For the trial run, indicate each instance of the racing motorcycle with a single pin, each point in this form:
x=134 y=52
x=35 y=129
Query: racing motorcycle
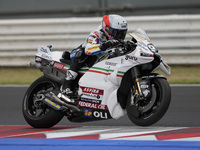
x=118 y=82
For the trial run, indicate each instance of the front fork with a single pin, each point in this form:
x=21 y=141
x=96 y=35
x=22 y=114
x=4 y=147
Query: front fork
x=135 y=72
x=138 y=92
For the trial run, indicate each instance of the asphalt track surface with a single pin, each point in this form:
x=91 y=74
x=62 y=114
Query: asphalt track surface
x=184 y=110
x=178 y=129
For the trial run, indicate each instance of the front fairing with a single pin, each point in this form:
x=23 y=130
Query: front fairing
x=145 y=50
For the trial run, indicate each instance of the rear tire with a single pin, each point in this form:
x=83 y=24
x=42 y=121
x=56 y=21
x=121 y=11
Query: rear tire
x=40 y=115
x=157 y=106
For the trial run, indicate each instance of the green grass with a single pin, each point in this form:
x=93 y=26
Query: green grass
x=19 y=76
x=25 y=76
x=189 y=74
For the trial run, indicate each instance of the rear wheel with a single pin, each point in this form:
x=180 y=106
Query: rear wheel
x=36 y=113
x=149 y=111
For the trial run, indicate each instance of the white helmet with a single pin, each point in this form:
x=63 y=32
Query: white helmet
x=114 y=27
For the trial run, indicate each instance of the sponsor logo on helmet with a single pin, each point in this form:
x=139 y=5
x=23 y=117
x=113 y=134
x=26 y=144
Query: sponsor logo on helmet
x=124 y=25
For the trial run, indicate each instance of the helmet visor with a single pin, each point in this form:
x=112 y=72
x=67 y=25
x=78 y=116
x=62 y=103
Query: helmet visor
x=117 y=34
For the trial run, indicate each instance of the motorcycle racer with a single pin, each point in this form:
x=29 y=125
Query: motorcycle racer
x=112 y=30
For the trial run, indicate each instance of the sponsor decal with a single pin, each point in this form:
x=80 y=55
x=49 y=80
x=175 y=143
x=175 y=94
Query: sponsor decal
x=146 y=55
x=58 y=65
x=124 y=25
x=90 y=100
x=93 y=105
x=46 y=57
x=88 y=53
x=110 y=63
x=90 y=41
x=87 y=112
x=92 y=90
x=56 y=106
x=42 y=49
x=151 y=47
x=141 y=44
x=130 y=57
x=92 y=95
x=148 y=116
x=93 y=48
x=96 y=33
x=96 y=41
x=136 y=37
x=102 y=115
x=38 y=59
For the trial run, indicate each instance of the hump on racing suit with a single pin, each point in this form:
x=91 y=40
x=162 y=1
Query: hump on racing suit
x=93 y=42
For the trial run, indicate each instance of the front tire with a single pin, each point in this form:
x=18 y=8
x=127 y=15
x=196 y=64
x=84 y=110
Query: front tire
x=36 y=113
x=156 y=107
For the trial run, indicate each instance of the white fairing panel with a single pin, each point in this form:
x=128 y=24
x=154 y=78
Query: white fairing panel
x=46 y=53
x=104 y=78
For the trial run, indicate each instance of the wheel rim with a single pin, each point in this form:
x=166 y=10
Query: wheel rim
x=35 y=106
x=146 y=108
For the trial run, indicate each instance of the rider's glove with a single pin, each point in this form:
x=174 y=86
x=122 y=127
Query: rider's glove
x=130 y=45
x=110 y=43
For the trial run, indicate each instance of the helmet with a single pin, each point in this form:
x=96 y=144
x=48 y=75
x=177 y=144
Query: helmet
x=114 y=27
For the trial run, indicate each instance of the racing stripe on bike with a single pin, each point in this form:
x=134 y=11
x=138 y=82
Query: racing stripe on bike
x=100 y=70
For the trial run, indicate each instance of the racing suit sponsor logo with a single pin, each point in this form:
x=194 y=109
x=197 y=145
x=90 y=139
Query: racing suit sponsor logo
x=90 y=41
x=93 y=48
x=96 y=33
x=93 y=105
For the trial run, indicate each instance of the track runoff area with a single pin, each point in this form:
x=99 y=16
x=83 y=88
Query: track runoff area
x=98 y=137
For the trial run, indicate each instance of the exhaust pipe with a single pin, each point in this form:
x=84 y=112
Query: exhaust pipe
x=35 y=65
x=59 y=101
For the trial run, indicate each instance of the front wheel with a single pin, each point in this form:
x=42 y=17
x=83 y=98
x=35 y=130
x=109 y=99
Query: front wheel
x=36 y=113
x=149 y=111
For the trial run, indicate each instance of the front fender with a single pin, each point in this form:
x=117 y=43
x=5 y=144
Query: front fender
x=153 y=75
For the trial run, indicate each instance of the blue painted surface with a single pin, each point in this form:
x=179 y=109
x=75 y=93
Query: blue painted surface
x=61 y=144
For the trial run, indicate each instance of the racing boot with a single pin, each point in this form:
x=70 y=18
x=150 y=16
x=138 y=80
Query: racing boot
x=69 y=82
